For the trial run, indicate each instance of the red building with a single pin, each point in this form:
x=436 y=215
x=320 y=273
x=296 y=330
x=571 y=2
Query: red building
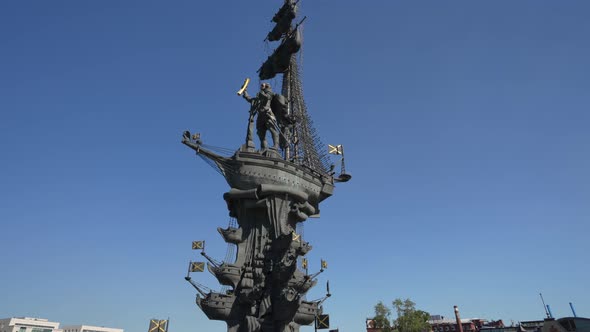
x=447 y=325
x=469 y=325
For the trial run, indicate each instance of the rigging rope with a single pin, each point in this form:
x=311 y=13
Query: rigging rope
x=211 y=163
x=221 y=166
x=309 y=146
x=226 y=151
x=230 y=253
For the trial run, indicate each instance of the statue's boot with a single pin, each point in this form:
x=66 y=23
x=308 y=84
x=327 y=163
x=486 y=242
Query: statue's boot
x=262 y=137
x=275 y=137
x=250 y=134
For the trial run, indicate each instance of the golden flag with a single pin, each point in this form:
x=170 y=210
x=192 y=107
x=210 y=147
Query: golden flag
x=334 y=149
x=198 y=245
x=163 y=327
x=295 y=237
x=323 y=322
x=304 y=263
x=154 y=324
x=157 y=325
x=197 y=267
x=324 y=264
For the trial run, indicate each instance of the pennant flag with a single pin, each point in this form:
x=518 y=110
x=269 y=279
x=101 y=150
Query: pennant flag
x=198 y=245
x=197 y=266
x=324 y=264
x=304 y=263
x=157 y=325
x=334 y=149
x=323 y=322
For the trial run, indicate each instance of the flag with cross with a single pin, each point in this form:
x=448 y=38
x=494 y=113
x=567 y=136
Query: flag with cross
x=158 y=325
x=197 y=266
x=322 y=322
x=335 y=149
x=198 y=245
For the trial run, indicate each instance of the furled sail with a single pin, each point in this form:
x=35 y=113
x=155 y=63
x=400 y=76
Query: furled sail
x=283 y=19
x=288 y=9
x=279 y=61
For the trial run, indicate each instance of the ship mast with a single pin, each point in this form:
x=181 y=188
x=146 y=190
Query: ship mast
x=286 y=90
x=301 y=141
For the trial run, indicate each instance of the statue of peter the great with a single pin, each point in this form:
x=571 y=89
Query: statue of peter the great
x=261 y=105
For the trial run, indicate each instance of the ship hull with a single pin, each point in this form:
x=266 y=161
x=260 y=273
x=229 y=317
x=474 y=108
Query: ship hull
x=248 y=170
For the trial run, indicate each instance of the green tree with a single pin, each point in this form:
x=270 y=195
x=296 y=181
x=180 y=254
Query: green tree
x=409 y=319
x=382 y=315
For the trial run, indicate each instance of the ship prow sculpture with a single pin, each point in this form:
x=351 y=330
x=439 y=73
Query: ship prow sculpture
x=273 y=190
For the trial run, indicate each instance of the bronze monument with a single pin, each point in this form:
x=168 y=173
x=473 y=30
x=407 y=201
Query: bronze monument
x=273 y=190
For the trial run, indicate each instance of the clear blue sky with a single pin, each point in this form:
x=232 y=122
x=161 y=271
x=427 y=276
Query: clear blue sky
x=465 y=124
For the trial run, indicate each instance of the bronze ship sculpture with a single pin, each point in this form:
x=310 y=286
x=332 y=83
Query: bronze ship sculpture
x=273 y=190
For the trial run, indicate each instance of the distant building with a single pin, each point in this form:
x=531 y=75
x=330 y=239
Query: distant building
x=371 y=326
x=468 y=325
x=528 y=326
x=450 y=325
x=439 y=324
x=28 y=324
x=89 y=328
x=532 y=325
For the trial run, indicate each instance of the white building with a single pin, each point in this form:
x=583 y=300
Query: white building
x=88 y=328
x=28 y=324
